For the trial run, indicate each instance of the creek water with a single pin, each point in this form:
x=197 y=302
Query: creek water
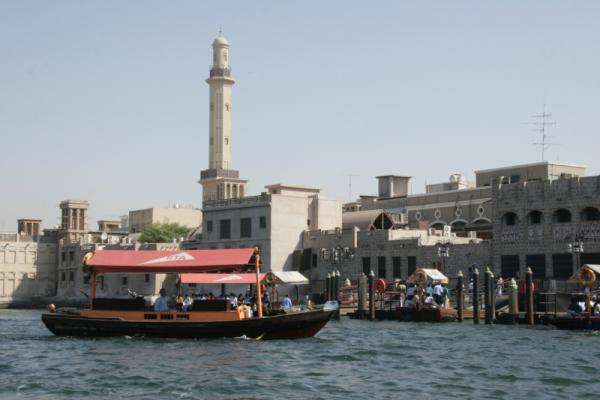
x=348 y=359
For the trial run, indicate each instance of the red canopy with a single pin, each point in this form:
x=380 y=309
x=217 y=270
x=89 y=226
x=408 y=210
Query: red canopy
x=163 y=261
x=220 y=278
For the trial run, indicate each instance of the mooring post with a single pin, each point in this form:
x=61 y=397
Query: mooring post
x=513 y=301
x=336 y=293
x=460 y=296
x=372 y=296
x=475 y=296
x=529 y=296
x=362 y=295
x=328 y=287
x=493 y=295
x=487 y=288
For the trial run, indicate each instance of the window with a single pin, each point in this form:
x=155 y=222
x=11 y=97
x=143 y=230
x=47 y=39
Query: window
x=209 y=227
x=562 y=265
x=510 y=219
x=226 y=140
x=263 y=222
x=71 y=276
x=226 y=106
x=397 y=266
x=535 y=217
x=71 y=256
x=366 y=265
x=381 y=272
x=590 y=214
x=314 y=260
x=63 y=256
x=308 y=222
x=124 y=281
x=102 y=282
x=86 y=279
x=147 y=278
x=509 y=266
x=537 y=263
x=561 y=216
x=245 y=227
x=225 y=229
x=63 y=276
x=412 y=264
x=515 y=178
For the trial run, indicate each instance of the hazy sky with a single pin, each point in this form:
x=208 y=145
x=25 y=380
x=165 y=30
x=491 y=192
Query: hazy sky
x=106 y=100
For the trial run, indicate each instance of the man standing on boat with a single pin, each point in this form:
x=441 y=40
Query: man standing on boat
x=161 y=303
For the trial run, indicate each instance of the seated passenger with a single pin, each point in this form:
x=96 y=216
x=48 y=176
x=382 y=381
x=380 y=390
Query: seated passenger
x=430 y=301
x=187 y=303
x=286 y=303
x=161 y=302
x=575 y=308
x=233 y=301
x=179 y=302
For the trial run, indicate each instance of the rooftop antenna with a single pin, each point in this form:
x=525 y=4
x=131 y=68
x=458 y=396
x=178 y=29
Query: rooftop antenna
x=350 y=185
x=541 y=124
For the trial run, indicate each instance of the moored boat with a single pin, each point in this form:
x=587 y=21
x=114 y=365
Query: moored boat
x=206 y=319
x=425 y=314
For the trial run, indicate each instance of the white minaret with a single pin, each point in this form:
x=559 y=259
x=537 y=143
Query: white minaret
x=219 y=181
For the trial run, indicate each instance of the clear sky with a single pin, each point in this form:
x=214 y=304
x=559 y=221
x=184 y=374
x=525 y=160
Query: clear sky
x=106 y=100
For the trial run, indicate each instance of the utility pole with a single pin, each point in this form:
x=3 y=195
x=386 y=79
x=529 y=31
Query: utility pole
x=541 y=124
x=350 y=185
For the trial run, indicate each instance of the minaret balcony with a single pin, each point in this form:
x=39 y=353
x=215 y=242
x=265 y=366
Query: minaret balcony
x=219 y=173
x=220 y=72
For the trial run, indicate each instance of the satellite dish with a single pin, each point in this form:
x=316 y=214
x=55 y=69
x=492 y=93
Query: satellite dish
x=104 y=236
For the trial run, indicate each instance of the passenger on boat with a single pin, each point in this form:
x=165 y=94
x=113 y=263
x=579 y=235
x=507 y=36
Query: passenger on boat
x=286 y=303
x=430 y=301
x=596 y=307
x=445 y=295
x=402 y=291
x=161 y=302
x=233 y=300
x=188 y=302
x=438 y=293
x=410 y=292
x=429 y=290
x=179 y=302
x=575 y=308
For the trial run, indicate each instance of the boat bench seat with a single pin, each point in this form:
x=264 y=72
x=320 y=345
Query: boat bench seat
x=102 y=303
x=211 y=305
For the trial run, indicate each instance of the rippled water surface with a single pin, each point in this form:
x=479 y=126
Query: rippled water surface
x=348 y=359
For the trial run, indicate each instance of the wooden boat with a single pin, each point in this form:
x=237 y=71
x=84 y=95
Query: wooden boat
x=207 y=319
x=425 y=314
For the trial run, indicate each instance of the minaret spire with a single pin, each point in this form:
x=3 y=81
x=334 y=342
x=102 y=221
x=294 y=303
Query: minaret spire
x=219 y=181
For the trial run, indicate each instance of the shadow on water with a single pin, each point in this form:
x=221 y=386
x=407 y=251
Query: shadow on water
x=385 y=359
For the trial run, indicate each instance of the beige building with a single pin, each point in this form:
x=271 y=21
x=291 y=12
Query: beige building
x=540 y=171
x=274 y=221
x=186 y=216
x=220 y=181
x=27 y=268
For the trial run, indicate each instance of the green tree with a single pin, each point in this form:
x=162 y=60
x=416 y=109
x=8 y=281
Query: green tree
x=163 y=233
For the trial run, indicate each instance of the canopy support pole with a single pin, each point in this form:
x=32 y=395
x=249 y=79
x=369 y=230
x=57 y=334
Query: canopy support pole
x=258 y=288
x=92 y=289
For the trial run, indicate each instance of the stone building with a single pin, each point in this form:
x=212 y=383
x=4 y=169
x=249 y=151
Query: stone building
x=273 y=221
x=536 y=221
x=27 y=268
x=186 y=216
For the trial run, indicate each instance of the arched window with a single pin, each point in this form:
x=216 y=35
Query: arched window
x=458 y=225
x=438 y=225
x=590 y=214
x=510 y=218
x=535 y=217
x=561 y=215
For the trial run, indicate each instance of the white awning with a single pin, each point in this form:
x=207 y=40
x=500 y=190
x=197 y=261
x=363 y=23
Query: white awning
x=430 y=273
x=291 y=277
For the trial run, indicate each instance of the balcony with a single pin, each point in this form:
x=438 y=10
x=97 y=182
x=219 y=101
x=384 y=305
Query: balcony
x=216 y=72
x=219 y=173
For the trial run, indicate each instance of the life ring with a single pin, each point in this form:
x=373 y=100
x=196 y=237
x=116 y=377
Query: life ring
x=86 y=268
x=380 y=285
x=420 y=277
x=270 y=279
x=586 y=276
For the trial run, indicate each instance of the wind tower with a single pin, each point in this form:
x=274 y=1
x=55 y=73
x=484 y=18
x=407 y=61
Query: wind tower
x=219 y=181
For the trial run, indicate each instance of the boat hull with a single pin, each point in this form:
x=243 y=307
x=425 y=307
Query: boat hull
x=285 y=326
x=576 y=323
x=425 y=314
